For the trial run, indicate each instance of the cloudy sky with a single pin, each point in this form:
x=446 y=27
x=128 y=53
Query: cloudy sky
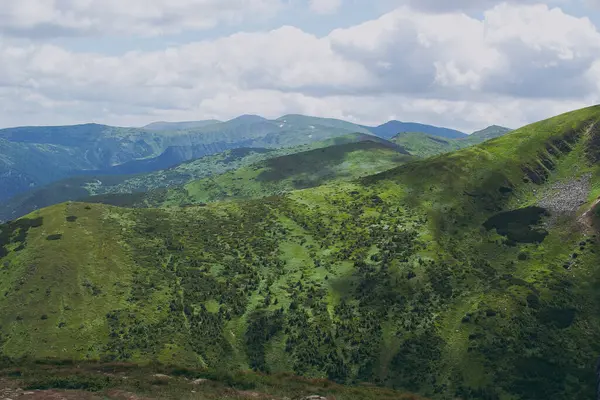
x=464 y=65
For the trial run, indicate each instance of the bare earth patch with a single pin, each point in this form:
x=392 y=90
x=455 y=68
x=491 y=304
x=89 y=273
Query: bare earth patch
x=587 y=219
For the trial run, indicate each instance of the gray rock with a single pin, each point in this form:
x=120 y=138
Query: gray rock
x=566 y=197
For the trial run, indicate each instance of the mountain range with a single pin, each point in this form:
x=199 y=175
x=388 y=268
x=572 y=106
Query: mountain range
x=75 y=162
x=34 y=156
x=454 y=268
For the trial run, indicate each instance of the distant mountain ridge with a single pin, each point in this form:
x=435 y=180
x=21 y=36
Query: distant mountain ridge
x=176 y=126
x=490 y=132
x=392 y=128
x=66 y=151
x=426 y=145
x=130 y=177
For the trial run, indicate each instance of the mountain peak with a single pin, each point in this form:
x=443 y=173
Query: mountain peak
x=492 y=131
x=248 y=119
x=394 y=127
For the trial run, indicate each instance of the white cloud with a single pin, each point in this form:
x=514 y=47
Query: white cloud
x=325 y=6
x=420 y=50
x=46 y=18
x=518 y=64
x=546 y=53
x=450 y=6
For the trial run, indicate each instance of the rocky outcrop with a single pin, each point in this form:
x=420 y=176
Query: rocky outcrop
x=567 y=196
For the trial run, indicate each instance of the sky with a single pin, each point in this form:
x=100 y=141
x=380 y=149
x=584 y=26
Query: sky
x=462 y=64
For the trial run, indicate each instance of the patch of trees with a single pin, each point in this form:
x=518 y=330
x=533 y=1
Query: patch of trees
x=262 y=327
x=15 y=232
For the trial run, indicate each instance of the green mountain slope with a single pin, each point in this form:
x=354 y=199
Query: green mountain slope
x=492 y=131
x=304 y=120
x=345 y=158
x=23 y=165
x=65 y=151
x=286 y=173
x=82 y=187
x=393 y=128
x=470 y=275
x=424 y=145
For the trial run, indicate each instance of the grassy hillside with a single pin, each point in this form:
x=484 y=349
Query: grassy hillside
x=296 y=171
x=222 y=162
x=492 y=131
x=66 y=151
x=276 y=175
x=469 y=275
x=423 y=145
x=81 y=187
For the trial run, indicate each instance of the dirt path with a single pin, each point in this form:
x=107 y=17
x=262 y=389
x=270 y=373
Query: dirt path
x=587 y=218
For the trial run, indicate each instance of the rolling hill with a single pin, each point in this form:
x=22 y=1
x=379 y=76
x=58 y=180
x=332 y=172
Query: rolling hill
x=424 y=145
x=393 y=128
x=276 y=175
x=472 y=274
x=82 y=187
x=67 y=151
x=492 y=131
x=37 y=155
x=131 y=177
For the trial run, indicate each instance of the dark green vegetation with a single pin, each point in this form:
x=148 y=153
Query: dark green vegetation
x=423 y=145
x=490 y=132
x=519 y=226
x=120 y=381
x=425 y=277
